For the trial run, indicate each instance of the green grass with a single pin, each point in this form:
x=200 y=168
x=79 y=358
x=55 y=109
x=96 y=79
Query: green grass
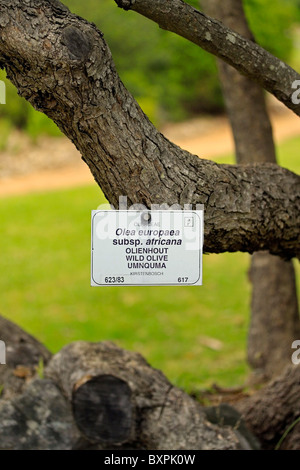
x=44 y=285
x=288 y=155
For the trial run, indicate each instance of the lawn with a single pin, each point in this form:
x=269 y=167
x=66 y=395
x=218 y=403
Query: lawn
x=196 y=335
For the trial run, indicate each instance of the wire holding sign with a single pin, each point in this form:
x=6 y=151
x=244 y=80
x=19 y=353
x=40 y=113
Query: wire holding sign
x=147 y=247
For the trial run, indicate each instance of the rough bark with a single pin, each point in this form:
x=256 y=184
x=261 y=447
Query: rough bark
x=246 y=56
x=273 y=409
x=96 y=395
x=151 y=412
x=275 y=316
x=292 y=439
x=24 y=355
x=38 y=419
x=62 y=65
x=89 y=387
x=274 y=307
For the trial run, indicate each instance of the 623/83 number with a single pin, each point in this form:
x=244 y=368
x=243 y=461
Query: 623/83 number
x=114 y=280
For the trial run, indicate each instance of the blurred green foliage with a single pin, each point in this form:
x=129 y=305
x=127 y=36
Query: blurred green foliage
x=272 y=24
x=170 y=77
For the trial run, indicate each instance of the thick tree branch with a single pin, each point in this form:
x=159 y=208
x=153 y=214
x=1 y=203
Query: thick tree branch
x=62 y=65
x=23 y=356
x=246 y=56
x=98 y=396
x=118 y=398
x=271 y=411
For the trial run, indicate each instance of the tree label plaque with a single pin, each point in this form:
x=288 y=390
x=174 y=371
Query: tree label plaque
x=147 y=248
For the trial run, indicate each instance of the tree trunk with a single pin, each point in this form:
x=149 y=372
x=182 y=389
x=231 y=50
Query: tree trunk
x=117 y=398
x=62 y=65
x=274 y=308
x=24 y=357
x=274 y=315
x=99 y=396
x=271 y=411
x=96 y=395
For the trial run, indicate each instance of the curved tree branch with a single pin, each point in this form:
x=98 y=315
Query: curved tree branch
x=247 y=57
x=273 y=409
x=61 y=64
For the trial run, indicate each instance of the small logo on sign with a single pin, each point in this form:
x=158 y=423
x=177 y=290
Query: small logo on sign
x=188 y=222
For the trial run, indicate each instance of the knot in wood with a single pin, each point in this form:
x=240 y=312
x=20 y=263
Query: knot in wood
x=125 y=4
x=77 y=43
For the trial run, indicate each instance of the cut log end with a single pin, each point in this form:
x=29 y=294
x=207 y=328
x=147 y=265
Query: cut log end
x=102 y=409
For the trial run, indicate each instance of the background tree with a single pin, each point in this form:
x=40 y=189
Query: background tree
x=274 y=307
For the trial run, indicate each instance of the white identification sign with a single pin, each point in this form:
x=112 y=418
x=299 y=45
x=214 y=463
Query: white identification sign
x=147 y=248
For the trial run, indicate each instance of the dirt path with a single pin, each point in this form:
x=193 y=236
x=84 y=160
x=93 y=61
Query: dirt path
x=213 y=138
x=54 y=163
